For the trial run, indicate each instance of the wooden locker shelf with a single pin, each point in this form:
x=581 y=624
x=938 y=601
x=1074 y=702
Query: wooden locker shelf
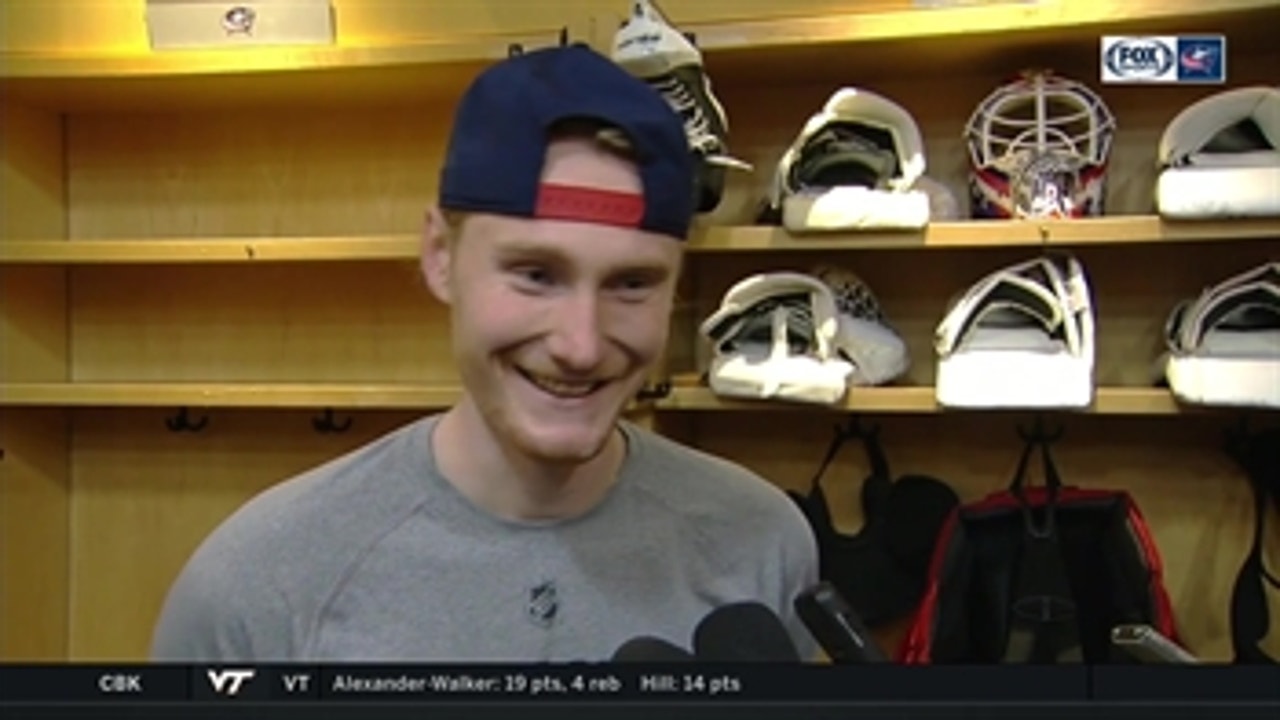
x=989 y=18
x=915 y=41
x=686 y=394
x=58 y=65
x=896 y=36
x=280 y=77
x=379 y=396
x=886 y=23
x=913 y=400
x=1117 y=229
x=211 y=250
x=1132 y=229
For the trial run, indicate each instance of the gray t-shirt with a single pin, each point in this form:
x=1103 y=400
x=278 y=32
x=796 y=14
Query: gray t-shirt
x=374 y=556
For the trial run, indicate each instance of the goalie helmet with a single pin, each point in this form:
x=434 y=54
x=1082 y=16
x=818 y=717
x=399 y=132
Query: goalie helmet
x=1038 y=147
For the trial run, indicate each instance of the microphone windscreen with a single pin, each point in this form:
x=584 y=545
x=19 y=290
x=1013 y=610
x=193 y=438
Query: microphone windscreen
x=650 y=649
x=743 y=632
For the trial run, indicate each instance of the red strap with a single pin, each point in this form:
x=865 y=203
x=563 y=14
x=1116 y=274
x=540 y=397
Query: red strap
x=608 y=207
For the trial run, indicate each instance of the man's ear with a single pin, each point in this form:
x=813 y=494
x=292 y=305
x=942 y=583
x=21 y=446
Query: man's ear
x=437 y=251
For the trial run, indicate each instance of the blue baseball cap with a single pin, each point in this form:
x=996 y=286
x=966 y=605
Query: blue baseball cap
x=500 y=135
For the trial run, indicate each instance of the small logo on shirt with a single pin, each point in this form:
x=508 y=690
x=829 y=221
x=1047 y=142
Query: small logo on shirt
x=543 y=603
x=1202 y=59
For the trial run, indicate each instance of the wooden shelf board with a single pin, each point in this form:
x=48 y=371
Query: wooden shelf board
x=244 y=395
x=712 y=239
x=65 y=65
x=290 y=77
x=210 y=250
x=884 y=23
x=990 y=233
x=1010 y=17
x=983 y=39
x=686 y=395
x=419 y=71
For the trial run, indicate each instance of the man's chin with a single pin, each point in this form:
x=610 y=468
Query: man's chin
x=564 y=446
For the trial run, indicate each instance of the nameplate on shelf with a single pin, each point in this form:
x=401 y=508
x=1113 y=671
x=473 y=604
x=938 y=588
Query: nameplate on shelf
x=211 y=24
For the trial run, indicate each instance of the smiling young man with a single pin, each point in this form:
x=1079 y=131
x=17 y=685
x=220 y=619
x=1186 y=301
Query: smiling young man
x=529 y=522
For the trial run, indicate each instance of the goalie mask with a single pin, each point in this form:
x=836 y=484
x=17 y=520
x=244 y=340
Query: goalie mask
x=1038 y=148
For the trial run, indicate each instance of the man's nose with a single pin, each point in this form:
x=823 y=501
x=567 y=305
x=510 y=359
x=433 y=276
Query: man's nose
x=576 y=342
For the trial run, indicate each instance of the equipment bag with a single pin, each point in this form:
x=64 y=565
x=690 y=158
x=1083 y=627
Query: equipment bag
x=1039 y=575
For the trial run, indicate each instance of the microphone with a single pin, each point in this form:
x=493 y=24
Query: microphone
x=645 y=649
x=1149 y=645
x=743 y=632
x=836 y=627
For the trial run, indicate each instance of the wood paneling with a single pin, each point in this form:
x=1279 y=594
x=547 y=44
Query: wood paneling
x=309 y=323
x=34 y=456
x=35 y=525
x=119 y=26
x=284 y=173
x=31 y=174
x=145 y=497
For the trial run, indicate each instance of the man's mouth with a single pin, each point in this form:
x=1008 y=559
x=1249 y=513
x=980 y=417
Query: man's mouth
x=559 y=387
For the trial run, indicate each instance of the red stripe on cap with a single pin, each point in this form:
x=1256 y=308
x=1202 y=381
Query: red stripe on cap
x=608 y=207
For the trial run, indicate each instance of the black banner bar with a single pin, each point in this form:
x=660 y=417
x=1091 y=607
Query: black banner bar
x=597 y=711
x=1173 y=683
x=685 y=684
x=94 y=683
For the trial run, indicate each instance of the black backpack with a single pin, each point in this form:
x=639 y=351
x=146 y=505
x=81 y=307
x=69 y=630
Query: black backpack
x=881 y=569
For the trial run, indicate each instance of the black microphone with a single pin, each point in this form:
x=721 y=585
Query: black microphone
x=836 y=627
x=647 y=649
x=743 y=632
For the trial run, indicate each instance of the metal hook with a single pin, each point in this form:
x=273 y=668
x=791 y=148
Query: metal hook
x=1040 y=434
x=854 y=428
x=1241 y=426
x=182 y=422
x=658 y=391
x=326 y=424
x=1238 y=436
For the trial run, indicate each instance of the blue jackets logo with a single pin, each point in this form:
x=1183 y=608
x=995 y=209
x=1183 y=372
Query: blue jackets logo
x=1202 y=59
x=1164 y=59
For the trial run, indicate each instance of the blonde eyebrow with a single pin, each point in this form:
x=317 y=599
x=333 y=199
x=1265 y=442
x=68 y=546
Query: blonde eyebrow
x=516 y=249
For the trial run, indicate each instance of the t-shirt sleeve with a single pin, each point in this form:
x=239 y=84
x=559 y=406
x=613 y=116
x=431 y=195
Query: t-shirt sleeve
x=800 y=572
x=220 y=609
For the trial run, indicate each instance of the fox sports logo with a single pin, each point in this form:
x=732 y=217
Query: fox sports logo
x=1138 y=59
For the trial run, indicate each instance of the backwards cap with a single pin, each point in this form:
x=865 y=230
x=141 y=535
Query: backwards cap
x=501 y=131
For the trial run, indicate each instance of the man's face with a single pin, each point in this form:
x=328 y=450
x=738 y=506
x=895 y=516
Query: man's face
x=556 y=324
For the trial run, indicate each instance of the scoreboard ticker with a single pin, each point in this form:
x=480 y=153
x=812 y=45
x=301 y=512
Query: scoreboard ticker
x=755 y=690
